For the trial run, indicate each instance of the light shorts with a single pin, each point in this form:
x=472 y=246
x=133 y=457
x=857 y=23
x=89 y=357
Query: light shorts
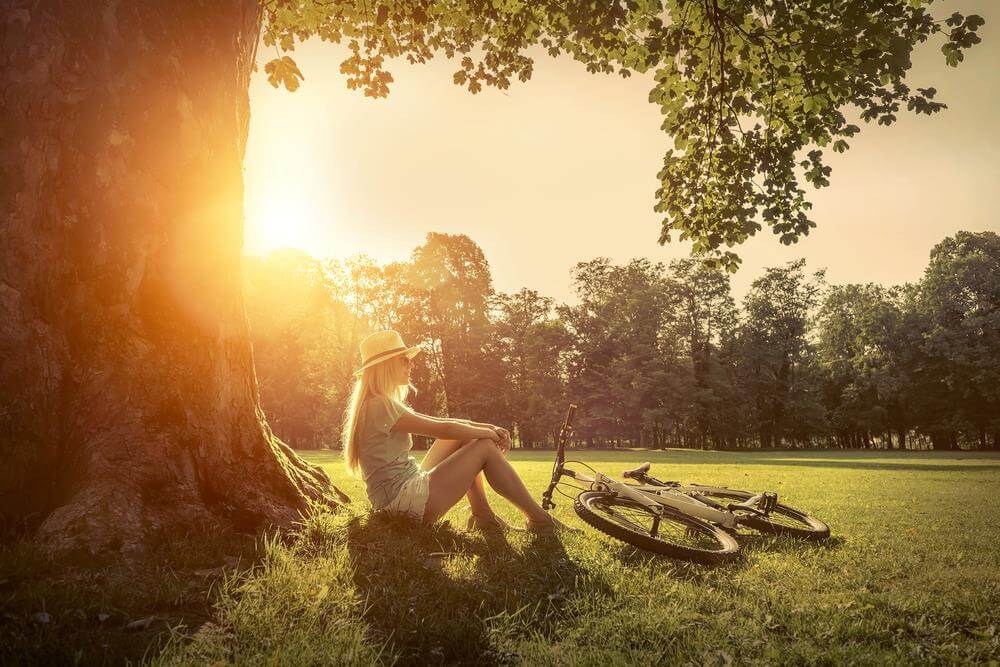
x=412 y=497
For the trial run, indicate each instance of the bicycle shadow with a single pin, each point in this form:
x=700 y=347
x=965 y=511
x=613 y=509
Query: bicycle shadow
x=750 y=545
x=436 y=595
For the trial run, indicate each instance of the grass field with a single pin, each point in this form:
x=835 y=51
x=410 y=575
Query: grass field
x=912 y=574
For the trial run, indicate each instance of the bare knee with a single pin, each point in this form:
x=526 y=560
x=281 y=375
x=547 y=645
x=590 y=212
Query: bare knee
x=485 y=446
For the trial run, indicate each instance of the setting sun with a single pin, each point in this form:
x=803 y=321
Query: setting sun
x=281 y=219
x=287 y=198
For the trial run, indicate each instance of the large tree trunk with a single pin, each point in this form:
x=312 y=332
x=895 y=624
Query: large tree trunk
x=128 y=400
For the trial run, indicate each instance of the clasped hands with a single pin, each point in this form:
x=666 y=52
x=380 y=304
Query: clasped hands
x=503 y=438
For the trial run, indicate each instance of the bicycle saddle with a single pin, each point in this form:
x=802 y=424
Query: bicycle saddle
x=637 y=472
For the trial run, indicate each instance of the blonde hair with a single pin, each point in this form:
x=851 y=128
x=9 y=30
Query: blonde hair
x=374 y=381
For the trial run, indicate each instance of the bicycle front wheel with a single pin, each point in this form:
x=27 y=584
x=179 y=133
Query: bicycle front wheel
x=675 y=534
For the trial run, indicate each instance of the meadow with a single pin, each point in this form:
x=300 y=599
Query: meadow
x=911 y=574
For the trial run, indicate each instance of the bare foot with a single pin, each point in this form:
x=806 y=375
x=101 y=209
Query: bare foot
x=551 y=525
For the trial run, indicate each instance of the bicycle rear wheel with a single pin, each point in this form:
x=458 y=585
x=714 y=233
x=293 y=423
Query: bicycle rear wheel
x=677 y=535
x=782 y=520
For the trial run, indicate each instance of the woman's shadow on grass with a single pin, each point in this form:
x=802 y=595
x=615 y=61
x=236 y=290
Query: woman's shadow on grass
x=435 y=595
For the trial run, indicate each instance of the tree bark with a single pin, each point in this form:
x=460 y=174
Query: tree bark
x=128 y=400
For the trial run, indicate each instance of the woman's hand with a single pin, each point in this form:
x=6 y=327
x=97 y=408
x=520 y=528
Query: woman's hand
x=489 y=434
x=505 y=442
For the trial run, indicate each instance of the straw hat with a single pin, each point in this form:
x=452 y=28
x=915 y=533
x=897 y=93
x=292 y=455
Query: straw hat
x=383 y=345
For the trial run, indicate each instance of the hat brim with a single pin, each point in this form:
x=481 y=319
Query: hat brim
x=409 y=352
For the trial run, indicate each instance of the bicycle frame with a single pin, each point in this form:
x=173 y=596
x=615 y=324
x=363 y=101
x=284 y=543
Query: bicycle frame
x=656 y=498
x=653 y=496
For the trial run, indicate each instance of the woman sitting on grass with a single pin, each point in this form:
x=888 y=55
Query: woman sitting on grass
x=377 y=428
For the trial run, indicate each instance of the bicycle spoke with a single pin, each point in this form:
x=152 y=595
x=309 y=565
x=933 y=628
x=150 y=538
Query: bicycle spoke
x=781 y=518
x=664 y=531
x=671 y=529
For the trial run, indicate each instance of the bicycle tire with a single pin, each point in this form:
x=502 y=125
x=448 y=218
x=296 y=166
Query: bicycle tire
x=807 y=526
x=591 y=506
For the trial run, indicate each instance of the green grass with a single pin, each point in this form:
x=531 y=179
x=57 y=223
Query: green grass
x=911 y=574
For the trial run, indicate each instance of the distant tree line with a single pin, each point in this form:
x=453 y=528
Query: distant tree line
x=654 y=355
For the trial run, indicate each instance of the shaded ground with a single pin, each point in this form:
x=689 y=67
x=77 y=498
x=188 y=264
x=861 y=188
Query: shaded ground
x=106 y=612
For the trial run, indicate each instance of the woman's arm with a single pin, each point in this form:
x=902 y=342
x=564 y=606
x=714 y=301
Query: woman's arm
x=505 y=441
x=472 y=423
x=446 y=429
x=456 y=420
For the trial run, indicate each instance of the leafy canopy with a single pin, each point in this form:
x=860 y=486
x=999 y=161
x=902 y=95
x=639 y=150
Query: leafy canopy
x=752 y=91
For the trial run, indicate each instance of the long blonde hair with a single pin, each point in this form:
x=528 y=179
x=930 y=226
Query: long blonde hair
x=374 y=381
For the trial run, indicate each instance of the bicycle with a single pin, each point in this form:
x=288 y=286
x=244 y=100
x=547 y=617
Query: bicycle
x=692 y=522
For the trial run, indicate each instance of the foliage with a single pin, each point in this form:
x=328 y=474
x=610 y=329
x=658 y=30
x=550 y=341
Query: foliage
x=448 y=284
x=959 y=310
x=700 y=333
x=304 y=338
x=776 y=363
x=654 y=355
x=530 y=344
x=616 y=372
x=865 y=348
x=752 y=91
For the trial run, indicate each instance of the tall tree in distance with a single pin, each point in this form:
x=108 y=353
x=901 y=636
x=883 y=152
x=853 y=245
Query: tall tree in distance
x=305 y=342
x=865 y=349
x=959 y=303
x=701 y=321
x=450 y=287
x=615 y=363
x=530 y=345
x=778 y=369
x=376 y=293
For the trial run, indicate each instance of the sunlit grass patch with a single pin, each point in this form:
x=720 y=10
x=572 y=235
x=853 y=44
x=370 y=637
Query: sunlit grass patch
x=292 y=608
x=905 y=547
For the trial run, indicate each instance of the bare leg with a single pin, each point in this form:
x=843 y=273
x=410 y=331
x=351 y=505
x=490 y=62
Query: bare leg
x=450 y=480
x=442 y=449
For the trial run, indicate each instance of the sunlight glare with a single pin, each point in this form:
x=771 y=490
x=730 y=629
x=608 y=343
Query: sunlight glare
x=282 y=218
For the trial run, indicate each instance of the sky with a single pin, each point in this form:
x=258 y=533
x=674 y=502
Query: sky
x=562 y=169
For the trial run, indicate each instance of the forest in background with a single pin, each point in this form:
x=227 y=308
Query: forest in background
x=654 y=355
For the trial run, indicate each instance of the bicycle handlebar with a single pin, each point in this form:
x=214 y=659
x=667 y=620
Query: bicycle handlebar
x=568 y=424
